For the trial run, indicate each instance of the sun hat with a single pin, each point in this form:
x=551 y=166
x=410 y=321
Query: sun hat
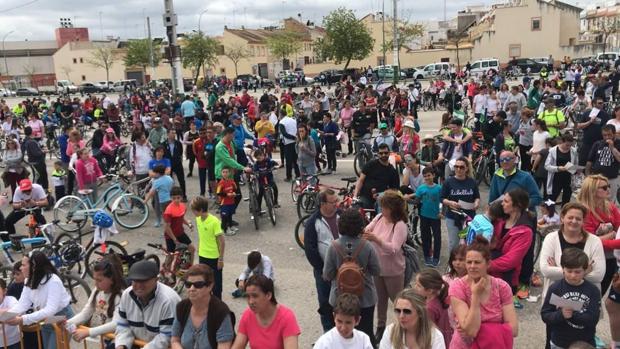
x=409 y=124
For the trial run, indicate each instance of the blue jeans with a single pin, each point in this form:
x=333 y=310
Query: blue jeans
x=47 y=331
x=325 y=309
x=453 y=234
x=217 y=274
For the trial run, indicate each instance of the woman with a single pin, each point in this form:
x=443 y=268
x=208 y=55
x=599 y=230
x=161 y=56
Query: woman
x=559 y=178
x=110 y=144
x=98 y=312
x=306 y=151
x=525 y=137
x=75 y=142
x=44 y=292
x=602 y=220
x=188 y=139
x=505 y=140
x=346 y=116
x=456 y=190
x=412 y=176
x=138 y=126
x=38 y=129
x=266 y=324
x=571 y=234
x=493 y=105
x=512 y=238
x=414 y=328
x=616 y=120
x=201 y=318
x=503 y=95
x=15 y=171
x=388 y=233
x=409 y=142
x=351 y=225
x=482 y=304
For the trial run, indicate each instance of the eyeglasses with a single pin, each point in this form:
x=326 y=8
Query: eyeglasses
x=459 y=167
x=197 y=284
x=506 y=159
x=604 y=187
x=398 y=311
x=384 y=153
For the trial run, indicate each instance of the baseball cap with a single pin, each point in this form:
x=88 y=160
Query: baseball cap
x=25 y=185
x=235 y=117
x=383 y=125
x=143 y=270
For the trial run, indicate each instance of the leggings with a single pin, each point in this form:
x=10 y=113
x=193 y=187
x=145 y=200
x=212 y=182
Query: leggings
x=217 y=275
x=561 y=185
x=387 y=287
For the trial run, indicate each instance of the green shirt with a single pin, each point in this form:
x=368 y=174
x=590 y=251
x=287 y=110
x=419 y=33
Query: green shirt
x=208 y=231
x=553 y=119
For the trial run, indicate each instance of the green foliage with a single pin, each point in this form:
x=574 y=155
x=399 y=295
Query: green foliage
x=346 y=38
x=199 y=51
x=284 y=44
x=138 y=53
x=406 y=33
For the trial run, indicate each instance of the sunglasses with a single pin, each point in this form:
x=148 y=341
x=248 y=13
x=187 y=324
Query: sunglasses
x=604 y=187
x=197 y=284
x=398 y=311
x=507 y=159
x=461 y=167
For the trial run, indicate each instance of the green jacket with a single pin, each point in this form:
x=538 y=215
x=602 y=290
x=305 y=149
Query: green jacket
x=211 y=101
x=223 y=159
x=533 y=100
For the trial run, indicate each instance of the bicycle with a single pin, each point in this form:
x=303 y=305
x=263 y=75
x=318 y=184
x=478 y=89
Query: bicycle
x=308 y=200
x=174 y=267
x=300 y=184
x=364 y=154
x=268 y=195
x=129 y=210
x=253 y=199
x=484 y=165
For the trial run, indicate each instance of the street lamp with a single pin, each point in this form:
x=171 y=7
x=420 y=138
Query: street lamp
x=6 y=66
x=200 y=18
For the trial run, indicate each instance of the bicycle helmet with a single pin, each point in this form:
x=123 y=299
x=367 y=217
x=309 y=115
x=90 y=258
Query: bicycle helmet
x=102 y=219
x=71 y=252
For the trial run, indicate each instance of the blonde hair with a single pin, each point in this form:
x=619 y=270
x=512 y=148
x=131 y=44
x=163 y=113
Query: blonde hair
x=587 y=195
x=424 y=331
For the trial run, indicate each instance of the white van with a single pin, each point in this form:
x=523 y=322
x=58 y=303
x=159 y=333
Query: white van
x=606 y=57
x=431 y=70
x=482 y=66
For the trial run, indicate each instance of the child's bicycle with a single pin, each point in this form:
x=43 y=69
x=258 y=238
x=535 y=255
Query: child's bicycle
x=174 y=266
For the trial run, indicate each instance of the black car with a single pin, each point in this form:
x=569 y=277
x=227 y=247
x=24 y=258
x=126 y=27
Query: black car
x=524 y=63
x=27 y=91
x=331 y=76
x=88 y=87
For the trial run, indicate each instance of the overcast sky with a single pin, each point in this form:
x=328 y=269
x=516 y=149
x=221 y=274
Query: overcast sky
x=37 y=19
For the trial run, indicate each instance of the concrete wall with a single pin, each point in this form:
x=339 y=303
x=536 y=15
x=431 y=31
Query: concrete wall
x=18 y=65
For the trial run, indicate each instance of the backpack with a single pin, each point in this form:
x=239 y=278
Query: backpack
x=350 y=275
x=182 y=314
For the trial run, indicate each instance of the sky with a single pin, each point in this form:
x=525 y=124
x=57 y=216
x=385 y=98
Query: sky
x=37 y=19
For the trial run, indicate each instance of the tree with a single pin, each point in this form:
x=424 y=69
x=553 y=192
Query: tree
x=30 y=70
x=199 y=51
x=346 y=38
x=138 y=54
x=103 y=57
x=457 y=38
x=283 y=44
x=236 y=53
x=605 y=27
x=407 y=32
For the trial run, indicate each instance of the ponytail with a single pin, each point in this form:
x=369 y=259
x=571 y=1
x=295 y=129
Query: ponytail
x=430 y=279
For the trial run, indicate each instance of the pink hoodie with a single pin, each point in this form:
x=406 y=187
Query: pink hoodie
x=511 y=248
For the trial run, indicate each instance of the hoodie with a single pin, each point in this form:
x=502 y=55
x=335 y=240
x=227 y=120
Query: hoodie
x=510 y=249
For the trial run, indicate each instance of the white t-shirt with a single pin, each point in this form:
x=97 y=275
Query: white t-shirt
x=480 y=101
x=290 y=126
x=37 y=193
x=539 y=140
x=458 y=149
x=12 y=332
x=437 y=341
x=332 y=339
x=616 y=124
x=552 y=220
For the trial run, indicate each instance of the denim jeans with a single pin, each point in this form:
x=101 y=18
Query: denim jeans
x=47 y=331
x=217 y=274
x=453 y=234
x=325 y=309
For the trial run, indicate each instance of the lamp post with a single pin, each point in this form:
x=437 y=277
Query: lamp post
x=200 y=19
x=6 y=66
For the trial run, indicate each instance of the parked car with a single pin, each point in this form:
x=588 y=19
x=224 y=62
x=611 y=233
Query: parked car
x=66 y=86
x=387 y=72
x=330 y=76
x=409 y=72
x=524 y=63
x=607 y=57
x=584 y=61
x=289 y=81
x=541 y=60
x=482 y=66
x=431 y=70
x=105 y=86
x=89 y=87
x=268 y=83
x=26 y=91
x=5 y=92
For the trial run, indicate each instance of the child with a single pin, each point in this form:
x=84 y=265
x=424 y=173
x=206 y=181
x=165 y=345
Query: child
x=87 y=172
x=11 y=333
x=227 y=191
x=549 y=216
x=456 y=264
x=258 y=264
x=482 y=224
x=566 y=325
x=162 y=184
x=174 y=219
x=434 y=289
x=58 y=180
x=263 y=166
x=210 y=241
x=429 y=194
x=344 y=335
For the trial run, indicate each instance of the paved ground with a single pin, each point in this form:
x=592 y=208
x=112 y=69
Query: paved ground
x=295 y=284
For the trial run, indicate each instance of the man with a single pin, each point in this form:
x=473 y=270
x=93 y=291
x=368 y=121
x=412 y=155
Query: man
x=385 y=137
x=204 y=150
x=320 y=230
x=36 y=155
x=188 y=111
x=157 y=135
x=452 y=100
x=98 y=135
x=591 y=122
x=377 y=176
x=604 y=158
x=288 y=130
x=515 y=97
x=479 y=107
x=361 y=124
x=455 y=146
x=146 y=310
x=553 y=117
x=225 y=157
x=27 y=195
x=140 y=156
x=513 y=115
x=174 y=151
x=413 y=99
x=241 y=134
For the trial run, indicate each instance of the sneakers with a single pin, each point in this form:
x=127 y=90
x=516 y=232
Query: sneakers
x=231 y=231
x=238 y=293
x=517 y=304
x=536 y=280
x=157 y=224
x=276 y=205
x=523 y=292
x=435 y=262
x=428 y=261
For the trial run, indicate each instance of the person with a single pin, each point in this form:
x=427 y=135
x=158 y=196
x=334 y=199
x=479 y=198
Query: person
x=361 y=124
x=482 y=304
x=553 y=117
x=602 y=219
x=188 y=140
x=146 y=310
x=429 y=155
x=27 y=195
x=239 y=137
x=36 y=156
x=429 y=195
x=87 y=173
x=203 y=149
x=140 y=156
x=15 y=170
x=264 y=127
x=456 y=264
x=604 y=159
x=319 y=232
x=413 y=327
x=160 y=192
x=306 y=151
x=430 y=285
x=98 y=312
x=11 y=337
x=227 y=191
x=482 y=224
x=174 y=220
x=412 y=176
x=201 y=319
x=225 y=155
x=110 y=144
x=388 y=232
x=549 y=217
x=211 y=244
x=157 y=135
x=378 y=175
x=265 y=323
x=459 y=192
x=385 y=137
x=409 y=142
x=173 y=150
x=525 y=138
x=457 y=144
x=509 y=177
x=264 y=166
x=344 y=335
x=330 y=131
x=160 y=159
x=257 y=264
x=559 y=168
x=565 y=324
x=591 y=123
x=479 y=106
x=44 y=292
x=350 y=243
x=287 y=129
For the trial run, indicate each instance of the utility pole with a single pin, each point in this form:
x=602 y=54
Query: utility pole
x=6 y=66
x=383 y=31
x=395 y=44
x=173 y=50
x=151 y=60
x=101 y=24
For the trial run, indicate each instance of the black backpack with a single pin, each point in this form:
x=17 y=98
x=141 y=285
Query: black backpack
x=182 y=314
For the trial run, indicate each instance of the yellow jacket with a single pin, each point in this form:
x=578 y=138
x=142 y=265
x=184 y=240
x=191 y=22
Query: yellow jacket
x=264 y=128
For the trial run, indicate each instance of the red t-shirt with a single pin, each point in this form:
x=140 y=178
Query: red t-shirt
x=284 y=325
x=225 y=186
x=175 y=216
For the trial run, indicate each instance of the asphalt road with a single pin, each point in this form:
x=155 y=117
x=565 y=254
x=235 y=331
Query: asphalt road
x=294 y=281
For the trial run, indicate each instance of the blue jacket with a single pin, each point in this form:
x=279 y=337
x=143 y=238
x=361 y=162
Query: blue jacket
x=63 y=142
x=518 y=179
x=448 y=147
x=241 y=134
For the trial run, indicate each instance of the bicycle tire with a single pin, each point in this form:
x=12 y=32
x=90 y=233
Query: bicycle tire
x=295 y=189
x=359 y=161
x=299 y=235
x=109 y=196
x=488 y=174
x=154 y=258
x=130 y=206
x=480 y=168
x=65 y=210
x=254 y=207
x=307 y=203
x=78 y=289
x=271 y=211
x=89 y=258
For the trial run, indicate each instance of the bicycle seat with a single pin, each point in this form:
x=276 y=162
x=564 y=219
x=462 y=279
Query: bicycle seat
x=181 y=247
x=85 y=191
x=349 y=179
x=138 y=254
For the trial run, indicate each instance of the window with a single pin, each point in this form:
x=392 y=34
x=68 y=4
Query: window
x=475 y=65
x=222 y=71
x=81 y=60
x=493 y=64
x=536 y=23
x=514 y=50
x=83 y=76
x=75 y=61
x=485 y=64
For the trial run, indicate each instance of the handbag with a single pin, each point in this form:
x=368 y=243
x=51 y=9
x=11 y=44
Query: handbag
x=412 y=265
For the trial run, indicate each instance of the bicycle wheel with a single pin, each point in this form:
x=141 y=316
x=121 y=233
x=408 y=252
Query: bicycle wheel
x=361 y=158
x=307 y=203
x=271 y=211
x=480 y=168
x=295 y=189
x=96 y=252
x=299 y=231
x=77 y=288
x=488 y=174
x=130 y=211
x=254 y=207
x=67 y=213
